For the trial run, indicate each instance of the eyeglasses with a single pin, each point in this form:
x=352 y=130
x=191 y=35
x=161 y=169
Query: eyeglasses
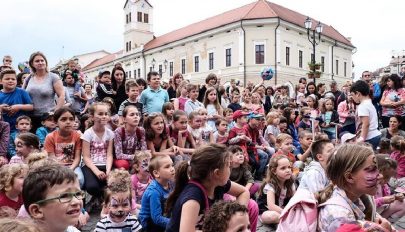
x=64 y=197
x=367 y=75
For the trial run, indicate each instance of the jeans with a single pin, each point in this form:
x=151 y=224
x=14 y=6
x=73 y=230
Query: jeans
x=374 y=141
x=80 y=176
x=263 y=161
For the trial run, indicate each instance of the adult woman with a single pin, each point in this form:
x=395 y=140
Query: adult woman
x=210 y=81
x=321 y=89
x=346 y=110
x=393 y=100
x=393 y=128
x=311 y=89
x=177 y=79
x=118 y=84
x=43 y=86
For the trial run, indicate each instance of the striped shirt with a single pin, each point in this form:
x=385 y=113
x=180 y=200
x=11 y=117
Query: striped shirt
x=130 y=224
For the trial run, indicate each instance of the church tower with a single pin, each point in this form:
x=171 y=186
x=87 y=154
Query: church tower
x=138 y=24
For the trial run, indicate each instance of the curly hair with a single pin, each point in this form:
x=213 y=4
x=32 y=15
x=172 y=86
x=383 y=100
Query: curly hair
x=7 y=174
x=119 y=180
x=220 y=214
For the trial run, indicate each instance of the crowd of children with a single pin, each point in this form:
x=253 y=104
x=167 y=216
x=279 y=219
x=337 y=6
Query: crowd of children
x=239 y=156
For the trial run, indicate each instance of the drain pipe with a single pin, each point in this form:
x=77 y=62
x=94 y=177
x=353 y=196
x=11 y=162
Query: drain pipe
x=334 y=45
x=244 y=53
x=275 y=52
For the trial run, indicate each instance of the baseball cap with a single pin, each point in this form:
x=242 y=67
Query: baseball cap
x=255 y=115
x=346 y=137
x=239 y=113
x=46 y=116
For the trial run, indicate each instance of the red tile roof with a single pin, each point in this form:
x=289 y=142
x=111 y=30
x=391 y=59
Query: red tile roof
x=103 y=60
x=257 y=10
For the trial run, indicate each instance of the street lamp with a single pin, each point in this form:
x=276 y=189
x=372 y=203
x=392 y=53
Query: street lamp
x=153 y=64
x=318 y=29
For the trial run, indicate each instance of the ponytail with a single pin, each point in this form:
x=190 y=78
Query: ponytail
x=323 y=195
x=181 y=182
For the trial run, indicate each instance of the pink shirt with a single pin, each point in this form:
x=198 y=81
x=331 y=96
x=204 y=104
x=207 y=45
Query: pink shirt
x=397 y=156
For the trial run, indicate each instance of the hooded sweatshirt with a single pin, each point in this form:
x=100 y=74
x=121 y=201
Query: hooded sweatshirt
x=314 y=178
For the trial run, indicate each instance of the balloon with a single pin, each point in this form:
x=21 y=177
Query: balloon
x=267 y=73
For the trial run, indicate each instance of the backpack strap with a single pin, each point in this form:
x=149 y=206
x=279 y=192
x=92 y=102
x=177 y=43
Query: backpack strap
x=25 y=84
x=207 y=205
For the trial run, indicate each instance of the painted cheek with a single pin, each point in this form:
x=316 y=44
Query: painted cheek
x=371 y=178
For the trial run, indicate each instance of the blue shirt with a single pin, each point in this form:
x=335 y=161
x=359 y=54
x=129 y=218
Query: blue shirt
x=153 y=100
x=18 y=96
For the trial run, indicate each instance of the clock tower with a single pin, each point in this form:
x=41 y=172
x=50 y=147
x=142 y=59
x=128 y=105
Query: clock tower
x=138 y=24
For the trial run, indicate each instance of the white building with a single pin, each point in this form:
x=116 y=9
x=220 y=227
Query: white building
x=235 y=44
x=82 y=59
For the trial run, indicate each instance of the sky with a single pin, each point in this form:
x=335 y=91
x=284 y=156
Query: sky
x=64 y=28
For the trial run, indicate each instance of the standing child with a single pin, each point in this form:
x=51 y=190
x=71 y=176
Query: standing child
x=114 y=121
x=11 y=183
x=192 y=104
x=234 y=106
x=389 y=206
x=157 y=138
x=65 y=144
x=276 y=190
x=240 y=170
x=272 y=130
x=199 y=184
x=48 y=125
x=141 y=177
x=129 y=139
x=213 y=107
x=182 y=92
x=25 y=143
x=330 y=118
x=221 y=134
x=167 y=111
x=132 y=90
x=194 y=127
x=207 y=134
x=97 y=150
x=155 y=196
x=23 y=126
x=104 y=87
x=154 y=96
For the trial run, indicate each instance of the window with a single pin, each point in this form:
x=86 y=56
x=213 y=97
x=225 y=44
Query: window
x=300 y=59
x=126 y=46
x=160 y=70
x=129 y=74
x=259 y=53
x=171 y=69
x=150 y=69
x=129 y=46
x=126 y=73
x=211 y=61
x=139 y=16
x=139 y=72
x=287 y=56
x=344 y=68
x=127 y=18
x=323 y=63
x=134 y=73
x=183 y=66
x=145 y=18
x=228 y=56
x=196 y=63
x=337 y=67
x=130 y=17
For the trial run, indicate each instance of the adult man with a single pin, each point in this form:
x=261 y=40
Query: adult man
x=375 y=90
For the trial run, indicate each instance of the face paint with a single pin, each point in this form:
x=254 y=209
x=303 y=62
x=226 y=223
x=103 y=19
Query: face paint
x=119 y=209
x=371 y=176
x=145 y=165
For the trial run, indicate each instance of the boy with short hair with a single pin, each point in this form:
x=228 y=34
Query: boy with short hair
x=192 y=104
x=48 y=125
x=23 y=125
x=132 y=90
x=314 y=178
x=14 y=101
x=221 y=134
x=304 y=151
x=228 y=114
x=234 y=105
x=237 y=135
x=52 y=197
x=154 y=96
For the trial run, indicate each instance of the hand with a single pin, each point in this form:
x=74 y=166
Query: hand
x=83 y=218
x=13 y=109
x=101 y=175
x=4 y=107
x=389 y=199
x=399 y=197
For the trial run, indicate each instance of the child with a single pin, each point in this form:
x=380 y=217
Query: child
x=25 y=143
x=141 y=177
x=247 y=100
x=272 y=130
x=367 y=121
x=192 y=104
x=206 y=131
x=206 y=177
x=234 y=106
x=312 y=103
x=167 y=111
x=305 y=123
x=227 y=216
x=182 y=92
x=130 y=139
x=74 y=74
x=132 y=90
x=276 y=190
x=237 y=134
x=157 y=138
x=352 y=179
x=221 y=134
x=65 y=144
x=88 y=91
x=303 y=152
x=314 y=178
x=97 y=150
x=228 y=115
x=114 y=121
x=194 y=127
x=14 y=102
x=48 y=125
x=213 y=107
x=11 y=183
x=11 y=224
x=257 y=105
x=52 y=197
x=330 y=118
x=240 y=172
x=397 y=154
x=104 y=87
x=23 y=125
x=179 y=135
x=76 y=93
x=118 y=202
x=151 y=215
x=389 y=206
x=285 y=147
x=154 y=96
x=300 y=99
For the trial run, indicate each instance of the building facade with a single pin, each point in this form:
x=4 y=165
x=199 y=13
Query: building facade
x=236 y=44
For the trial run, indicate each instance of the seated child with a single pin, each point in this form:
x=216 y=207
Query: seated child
x=141 y=177
x=314 y=177
x=304 y=151
x=228 y=115
x=11 y=224
x=305 y=123
x=194 y=127
x=156 y=194
x=52 y=197
x=240 y=172
x=11 y=182
x=221 y=134
x=23 y=125
x=25 y=143
x=48 y=125
x=227 y=216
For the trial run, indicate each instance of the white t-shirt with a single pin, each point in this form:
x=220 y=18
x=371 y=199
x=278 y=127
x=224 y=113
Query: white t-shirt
x=98 y=146
x=366 y=108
